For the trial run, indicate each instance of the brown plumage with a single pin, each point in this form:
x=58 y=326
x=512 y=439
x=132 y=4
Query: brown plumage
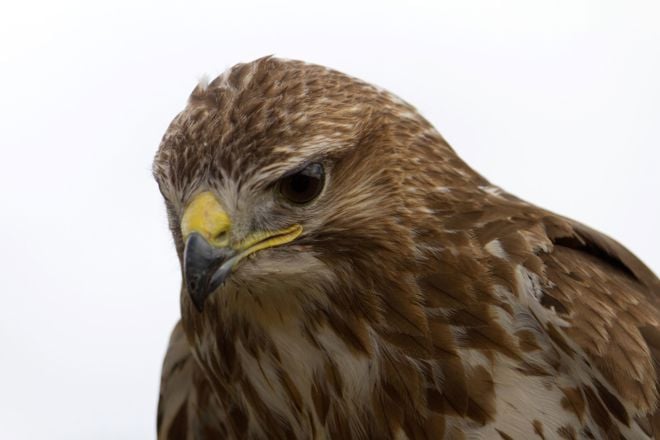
x=410 y=298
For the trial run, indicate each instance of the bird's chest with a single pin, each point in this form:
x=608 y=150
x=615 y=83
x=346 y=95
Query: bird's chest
x=297 y=386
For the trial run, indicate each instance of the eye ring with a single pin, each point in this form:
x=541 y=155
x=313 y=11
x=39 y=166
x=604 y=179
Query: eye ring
x=303 y=186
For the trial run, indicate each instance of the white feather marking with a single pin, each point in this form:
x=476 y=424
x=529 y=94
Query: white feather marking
x=494 y=247
x=203 y=82
x=530 y=291
x=520 y=400
x=529 y=284
x=356 y=370
x=492 y=190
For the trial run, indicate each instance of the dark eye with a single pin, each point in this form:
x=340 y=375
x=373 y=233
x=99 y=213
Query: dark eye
x=303 y=186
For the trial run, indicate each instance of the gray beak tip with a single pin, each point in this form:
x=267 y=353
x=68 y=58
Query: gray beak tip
x=204 y=269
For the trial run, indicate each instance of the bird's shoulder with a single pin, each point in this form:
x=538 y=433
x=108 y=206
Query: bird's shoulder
x=609 y=302
x=598 y=306
x=564 y=303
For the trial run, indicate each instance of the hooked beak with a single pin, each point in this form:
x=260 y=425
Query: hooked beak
x=208 y=257
x=205 y=267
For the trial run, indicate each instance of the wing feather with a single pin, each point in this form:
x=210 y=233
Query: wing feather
x=610 y=298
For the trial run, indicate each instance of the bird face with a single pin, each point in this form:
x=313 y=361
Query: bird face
x=252 y=243
x=215 y=245
x=289 y=187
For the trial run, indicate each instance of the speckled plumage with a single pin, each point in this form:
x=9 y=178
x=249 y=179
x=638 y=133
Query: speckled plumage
x=420 y=302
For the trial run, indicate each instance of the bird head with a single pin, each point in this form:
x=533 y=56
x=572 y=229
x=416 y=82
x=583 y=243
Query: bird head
x=293 y=189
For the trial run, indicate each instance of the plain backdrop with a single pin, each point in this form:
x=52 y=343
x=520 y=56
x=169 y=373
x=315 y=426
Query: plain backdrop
x=557 y=102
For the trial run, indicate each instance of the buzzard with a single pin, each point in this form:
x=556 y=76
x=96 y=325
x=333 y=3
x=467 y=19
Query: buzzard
x=347 y=276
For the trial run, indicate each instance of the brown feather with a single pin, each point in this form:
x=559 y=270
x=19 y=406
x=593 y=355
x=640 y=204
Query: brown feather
x=419 y=301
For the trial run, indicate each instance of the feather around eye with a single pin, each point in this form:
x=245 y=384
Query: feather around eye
x=303 y=186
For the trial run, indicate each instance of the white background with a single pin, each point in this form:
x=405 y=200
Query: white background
x=557 y=102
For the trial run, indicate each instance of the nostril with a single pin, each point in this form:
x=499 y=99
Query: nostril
x=194 y=282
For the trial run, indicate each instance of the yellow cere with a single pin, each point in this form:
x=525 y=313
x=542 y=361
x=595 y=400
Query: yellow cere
x=205 y=216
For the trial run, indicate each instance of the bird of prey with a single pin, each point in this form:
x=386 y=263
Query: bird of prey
x=347 y=276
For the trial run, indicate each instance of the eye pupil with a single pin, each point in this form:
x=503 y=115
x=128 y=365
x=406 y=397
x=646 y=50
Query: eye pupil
x=300 y=184
x=303 y=186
